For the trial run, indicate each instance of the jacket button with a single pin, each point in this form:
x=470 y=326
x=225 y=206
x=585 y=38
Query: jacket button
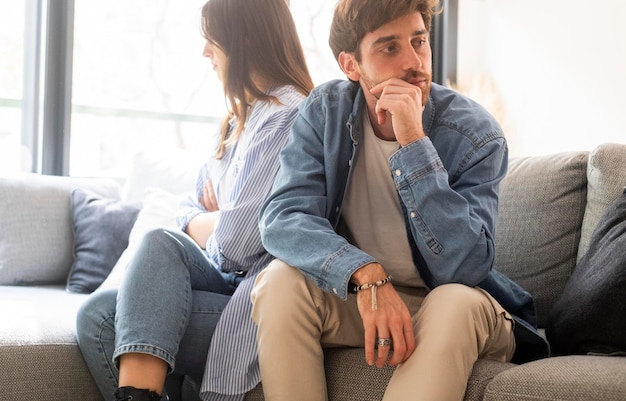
x=335 y=290
x=398 y=172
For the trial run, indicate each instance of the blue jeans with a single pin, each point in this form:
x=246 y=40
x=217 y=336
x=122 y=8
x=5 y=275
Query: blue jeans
x=168 y=306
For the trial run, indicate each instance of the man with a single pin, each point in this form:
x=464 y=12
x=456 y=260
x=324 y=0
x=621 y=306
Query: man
x=389 y=188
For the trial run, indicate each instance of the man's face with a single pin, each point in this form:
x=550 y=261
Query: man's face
x=398 y=49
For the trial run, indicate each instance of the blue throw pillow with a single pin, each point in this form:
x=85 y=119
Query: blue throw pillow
x=101 y=230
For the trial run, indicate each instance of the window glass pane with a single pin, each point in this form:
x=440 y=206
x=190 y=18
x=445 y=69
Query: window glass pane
x=11 y=79
x=139 y=83
x=313 y=23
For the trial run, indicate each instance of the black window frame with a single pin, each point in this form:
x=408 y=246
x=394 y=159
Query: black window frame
x=444 y=42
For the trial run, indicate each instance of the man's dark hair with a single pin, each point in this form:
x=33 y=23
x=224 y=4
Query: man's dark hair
x=353 y=19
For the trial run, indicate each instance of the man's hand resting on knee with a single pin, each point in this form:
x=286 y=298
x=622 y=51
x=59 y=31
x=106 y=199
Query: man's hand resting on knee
x=389 y=320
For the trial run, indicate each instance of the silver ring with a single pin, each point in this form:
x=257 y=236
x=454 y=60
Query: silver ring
x=383 y=342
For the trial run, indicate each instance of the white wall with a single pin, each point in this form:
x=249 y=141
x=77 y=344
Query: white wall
x=554 y=70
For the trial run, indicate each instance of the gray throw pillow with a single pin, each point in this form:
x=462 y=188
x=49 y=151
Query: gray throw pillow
x=101 y=230
x=542 y=203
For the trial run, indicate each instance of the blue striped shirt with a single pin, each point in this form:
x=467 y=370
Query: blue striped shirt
x=242 y=180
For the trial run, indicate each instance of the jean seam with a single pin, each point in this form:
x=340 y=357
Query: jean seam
x=110 y=364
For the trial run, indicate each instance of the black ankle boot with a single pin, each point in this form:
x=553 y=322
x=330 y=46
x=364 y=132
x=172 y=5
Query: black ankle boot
x=135 y=394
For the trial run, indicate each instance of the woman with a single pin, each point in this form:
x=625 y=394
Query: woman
x=180 y=283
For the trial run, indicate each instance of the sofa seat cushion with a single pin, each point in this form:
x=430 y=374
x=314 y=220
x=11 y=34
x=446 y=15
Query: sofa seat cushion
x=46 y=372
x=349 y=378
x=542 y=202
x=565 y=378
x=347 y=365
x=38 y=315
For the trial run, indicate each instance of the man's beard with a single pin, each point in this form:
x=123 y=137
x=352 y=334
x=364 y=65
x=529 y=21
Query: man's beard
x=410 y=75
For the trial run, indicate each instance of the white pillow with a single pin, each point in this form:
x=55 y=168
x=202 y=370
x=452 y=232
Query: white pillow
x=175 y=172
x=159 y=211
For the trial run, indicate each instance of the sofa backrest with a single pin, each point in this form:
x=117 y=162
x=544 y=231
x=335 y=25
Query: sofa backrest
x=542 y=203
x=549 y=207
x=36 y=232
x=606 y=179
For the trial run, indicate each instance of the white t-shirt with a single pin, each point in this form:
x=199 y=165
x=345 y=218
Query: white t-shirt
x=372 y=210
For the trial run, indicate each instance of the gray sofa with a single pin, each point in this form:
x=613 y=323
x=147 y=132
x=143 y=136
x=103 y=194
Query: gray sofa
x=549 y=207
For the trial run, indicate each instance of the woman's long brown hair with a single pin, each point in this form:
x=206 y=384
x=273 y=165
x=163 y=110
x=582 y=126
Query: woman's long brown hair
x=258 y=37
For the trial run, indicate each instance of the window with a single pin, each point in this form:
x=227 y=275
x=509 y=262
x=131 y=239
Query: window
x=91 y=83
x=139 y=83
x=12 y=37
x=313 y=23
x=135 y=75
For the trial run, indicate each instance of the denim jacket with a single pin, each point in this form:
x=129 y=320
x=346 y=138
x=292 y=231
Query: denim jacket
x=447 y=184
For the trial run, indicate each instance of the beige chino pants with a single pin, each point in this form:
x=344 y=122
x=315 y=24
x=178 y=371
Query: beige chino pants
x=454 y=325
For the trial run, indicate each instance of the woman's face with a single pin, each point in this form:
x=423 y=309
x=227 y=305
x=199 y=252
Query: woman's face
x=218 y=58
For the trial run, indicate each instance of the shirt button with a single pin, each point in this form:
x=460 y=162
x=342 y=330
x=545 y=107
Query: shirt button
x=413 y=215
x=398 y=172
x=335 y=290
